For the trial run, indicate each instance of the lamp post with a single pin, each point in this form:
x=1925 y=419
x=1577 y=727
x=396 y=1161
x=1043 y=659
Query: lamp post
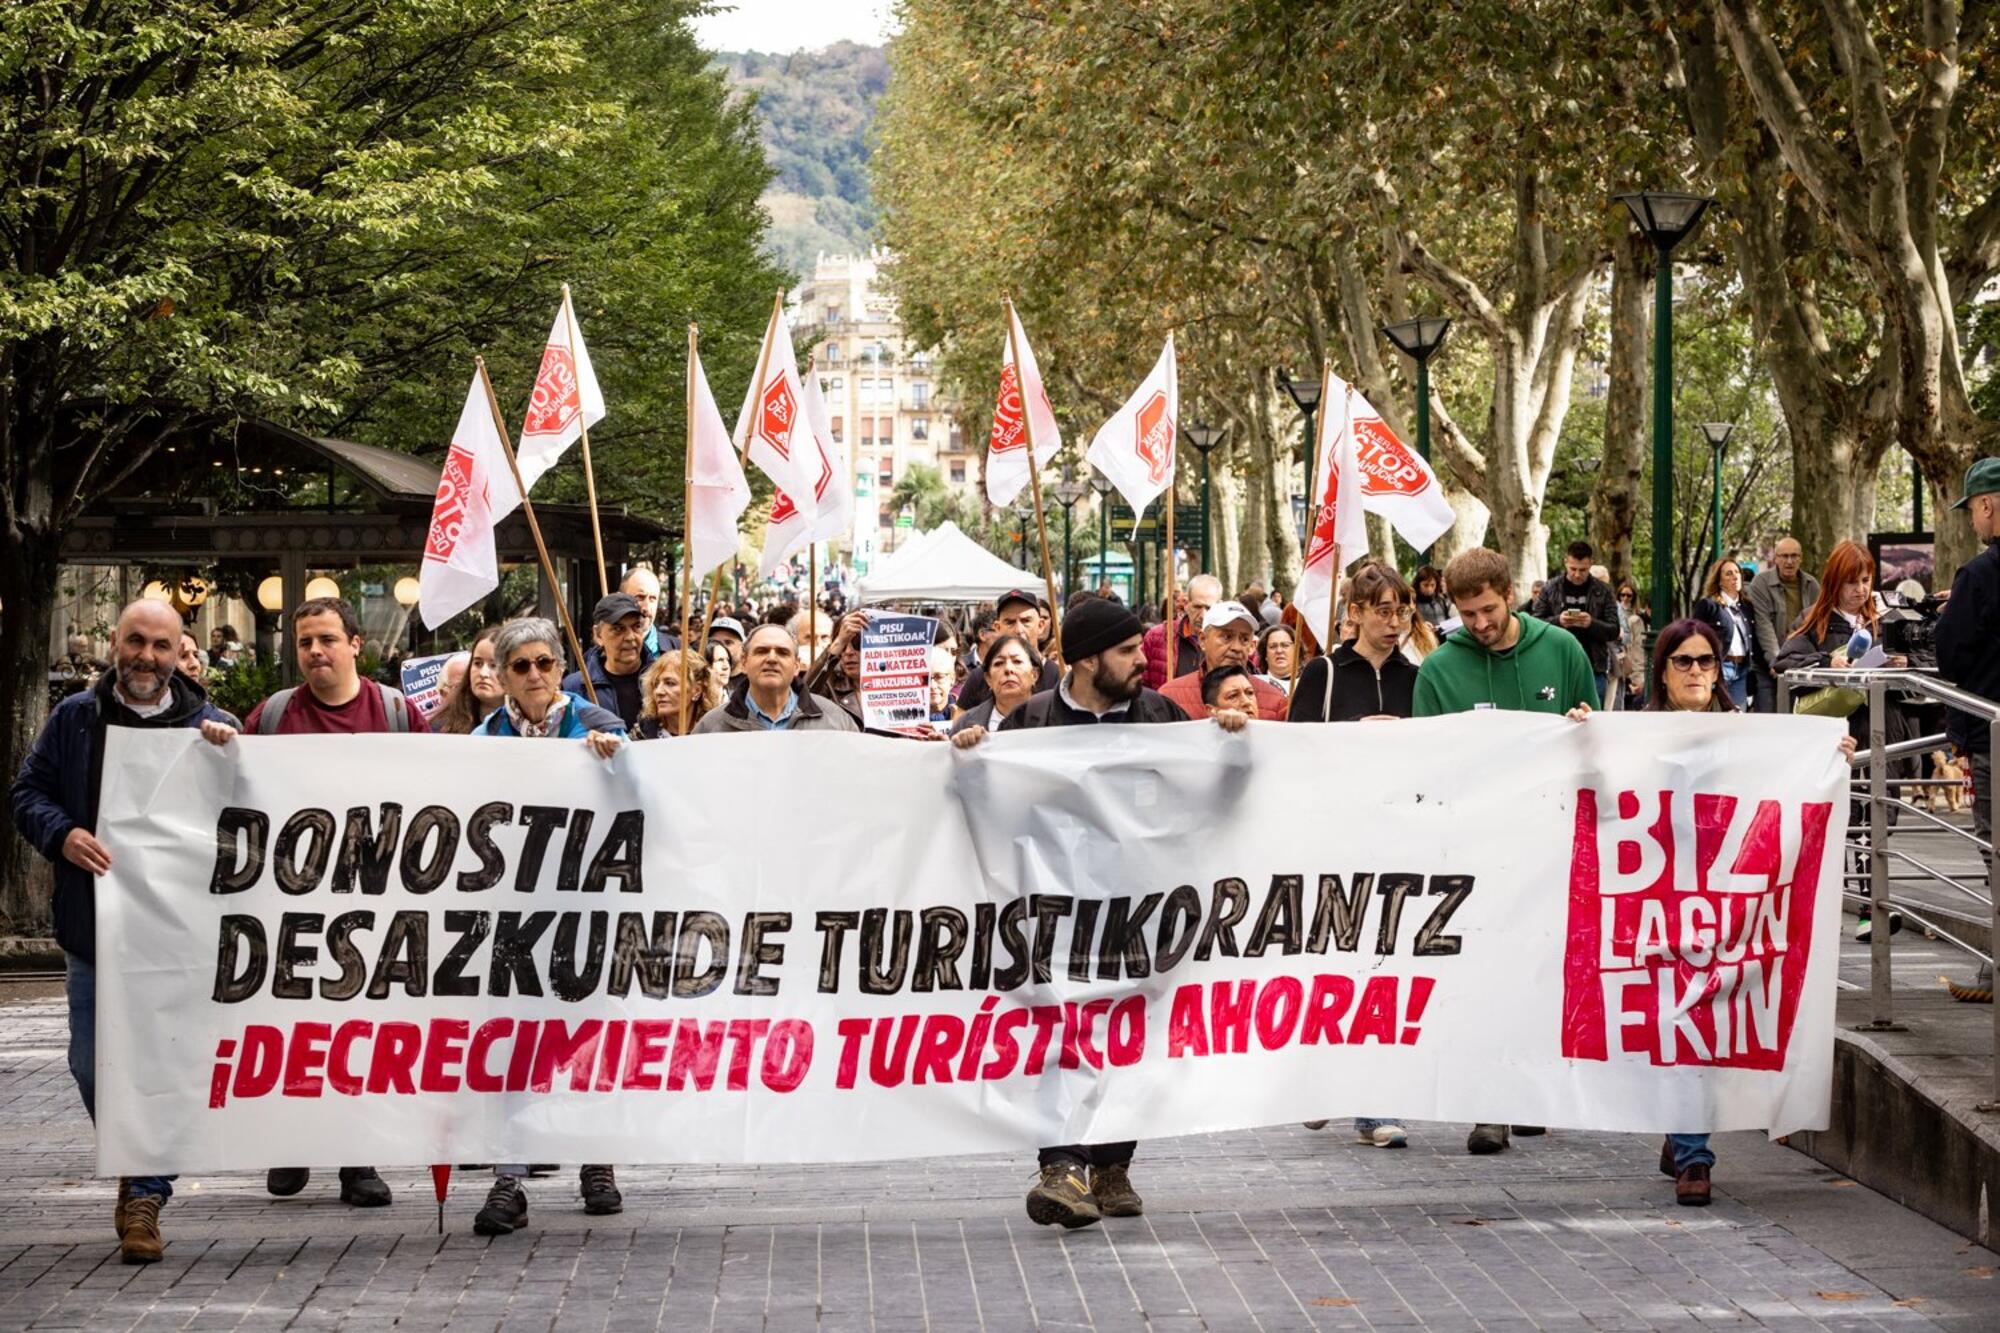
x=1204 y=437
x=1419 y=339
x=1305 y=393
x=1102 y=485
x=1023 y=511
x=1667 y=219
x=1068 y=491
x=1718 y=433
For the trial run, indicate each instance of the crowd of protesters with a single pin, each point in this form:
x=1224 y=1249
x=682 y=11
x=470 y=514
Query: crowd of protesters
x=1451 y=640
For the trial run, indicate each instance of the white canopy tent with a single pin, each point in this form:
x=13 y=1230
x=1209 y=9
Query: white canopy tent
x=942 y=565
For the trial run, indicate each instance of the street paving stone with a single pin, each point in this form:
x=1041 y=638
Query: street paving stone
x=1274 y=1229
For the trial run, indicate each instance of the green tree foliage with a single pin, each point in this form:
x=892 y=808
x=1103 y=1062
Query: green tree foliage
x=318 y=213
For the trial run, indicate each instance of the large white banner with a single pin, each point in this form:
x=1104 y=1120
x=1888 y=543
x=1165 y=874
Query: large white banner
x=821 y=947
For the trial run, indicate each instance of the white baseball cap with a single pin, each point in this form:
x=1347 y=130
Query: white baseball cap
x=1225 y=613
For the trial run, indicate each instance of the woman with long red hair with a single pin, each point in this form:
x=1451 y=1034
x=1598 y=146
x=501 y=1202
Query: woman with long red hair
x=1846 y=604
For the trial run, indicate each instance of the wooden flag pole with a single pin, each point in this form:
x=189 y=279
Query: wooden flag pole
x=589 y=479
x=1035 y=480
x=687 y=534
x=1333 y=574
x=535 y=528
x=743 y=454
x=1312 y=524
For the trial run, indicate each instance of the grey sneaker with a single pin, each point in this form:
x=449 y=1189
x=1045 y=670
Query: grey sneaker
x=506 y=1209
x=1486 y=1139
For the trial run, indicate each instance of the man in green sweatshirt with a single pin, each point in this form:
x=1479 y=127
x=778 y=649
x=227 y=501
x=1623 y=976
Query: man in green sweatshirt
x=1501 y=658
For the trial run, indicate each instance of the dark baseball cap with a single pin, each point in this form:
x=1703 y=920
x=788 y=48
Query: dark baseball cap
x=1016 y=595
x=1982 y=478
x=614 y=607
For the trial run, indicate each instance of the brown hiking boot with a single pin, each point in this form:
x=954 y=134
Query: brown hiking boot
x=1667 y=1167
x=1062 y=1198
x=139 y=1242
x=1691 y=1187
x=1111 y=1186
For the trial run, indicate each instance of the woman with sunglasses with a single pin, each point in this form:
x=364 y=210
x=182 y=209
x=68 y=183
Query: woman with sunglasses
x=531 y=669
x=1687 y=678
x=529 y=651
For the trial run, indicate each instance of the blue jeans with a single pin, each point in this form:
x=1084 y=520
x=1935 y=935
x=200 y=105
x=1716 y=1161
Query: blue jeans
x=1690 y=1150
x=1364 y=1125
x=82 y=987
x=1603 y=680
x=1738 y=686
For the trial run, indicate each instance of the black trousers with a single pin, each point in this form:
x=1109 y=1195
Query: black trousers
x=1089 y=1154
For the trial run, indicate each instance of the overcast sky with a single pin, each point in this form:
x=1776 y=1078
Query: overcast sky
x=784 y=26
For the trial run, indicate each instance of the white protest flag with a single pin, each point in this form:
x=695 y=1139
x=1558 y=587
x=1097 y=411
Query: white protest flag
x=833 y=496
x=718 y=492
x=1007 y=450
x=1136 y=447
x=565 y=402
x=1339 y=520
x=1395 y=480
x=475 y=488
x=771 y=430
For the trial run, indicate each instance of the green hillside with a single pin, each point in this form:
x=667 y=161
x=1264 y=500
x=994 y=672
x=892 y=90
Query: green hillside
x=816 y=109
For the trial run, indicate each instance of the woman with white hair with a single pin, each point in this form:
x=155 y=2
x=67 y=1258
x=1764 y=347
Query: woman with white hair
x=529 y=651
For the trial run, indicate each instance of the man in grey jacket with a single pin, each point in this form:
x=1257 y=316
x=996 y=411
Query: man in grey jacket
x=1778 y=599
x=763 y=698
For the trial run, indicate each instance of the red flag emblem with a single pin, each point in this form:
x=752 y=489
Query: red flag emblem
x=1155 y=438
x=775 y=417
x=556 y=401
x=782 y=508
x=448 y=513
x=1010 y=427
x=1322 y=535
x=1387 y=465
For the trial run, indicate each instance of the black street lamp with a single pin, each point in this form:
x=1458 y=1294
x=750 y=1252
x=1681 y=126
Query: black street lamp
x=1102 y=485
x=1068 y=491
x=1718 y=433
x=1306 y=394
x=1419 y=339
x=1204 y=437
x=1667 y=219
x=1023 y=511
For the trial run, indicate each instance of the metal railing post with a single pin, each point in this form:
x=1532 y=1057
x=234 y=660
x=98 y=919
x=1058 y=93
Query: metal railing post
x=1879 y=980
x=1992 y=798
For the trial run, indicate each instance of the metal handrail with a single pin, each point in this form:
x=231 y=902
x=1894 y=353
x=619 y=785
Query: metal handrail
x=1925 y=684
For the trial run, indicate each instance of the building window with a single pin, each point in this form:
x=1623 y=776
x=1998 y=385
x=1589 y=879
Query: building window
x=958 y=470
x=837 y=384
x=885 y=429
x=869 y=388
x=920 y=394
x=833 y=312
x=838 y=438
x=867 y=432
x=920 y=428
x=920 y=361
x=830 y=355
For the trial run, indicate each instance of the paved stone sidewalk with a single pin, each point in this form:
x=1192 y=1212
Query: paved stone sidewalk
x=1274 y=1229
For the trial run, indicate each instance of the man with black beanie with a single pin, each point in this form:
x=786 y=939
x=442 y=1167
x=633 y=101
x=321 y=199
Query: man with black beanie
x=1104 y=645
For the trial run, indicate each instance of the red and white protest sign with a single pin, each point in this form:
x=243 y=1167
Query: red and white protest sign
x=792 y=528
x=1022 y=412
x=1135 y=448
x=1395 y=480
x=1339 y=522
x=475 y=490
x=564 y=403
x=772 y=430
x=403 y=950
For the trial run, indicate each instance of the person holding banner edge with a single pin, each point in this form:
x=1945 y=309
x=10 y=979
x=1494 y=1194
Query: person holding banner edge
x=530 y=650
x=1501 y=658
x=54 y=805
x=1082 y=1183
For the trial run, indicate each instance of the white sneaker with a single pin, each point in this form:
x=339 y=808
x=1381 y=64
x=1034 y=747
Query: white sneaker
x=1387 y=1136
